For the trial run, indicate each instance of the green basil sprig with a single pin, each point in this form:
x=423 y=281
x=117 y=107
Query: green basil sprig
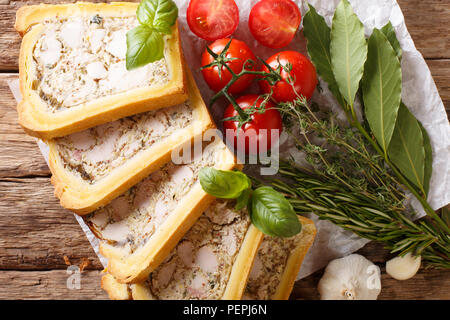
x=145 y=42
x=269 y=210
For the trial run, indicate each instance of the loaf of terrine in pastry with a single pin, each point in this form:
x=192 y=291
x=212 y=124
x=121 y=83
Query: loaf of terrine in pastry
x=277 y=264
x=186 y=272
x=92 y=167
x=212 y=261
x=141 y=227
x=72 y=68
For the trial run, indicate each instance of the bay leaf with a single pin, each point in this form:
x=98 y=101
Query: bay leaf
x=382 y=88
x=318 y=37
x=389 y=31
x=348 y=50
x=406 y=149
x=428 y=168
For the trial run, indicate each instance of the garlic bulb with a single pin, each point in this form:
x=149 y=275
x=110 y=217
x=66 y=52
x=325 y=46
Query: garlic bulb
x=350 y=278
x=402 y=268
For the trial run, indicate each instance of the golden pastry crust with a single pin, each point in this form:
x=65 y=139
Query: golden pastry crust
x=82 y=198
x=295 y=259
x=241 y=269
x=243 y=264
x=115 y=290
x=32 y=110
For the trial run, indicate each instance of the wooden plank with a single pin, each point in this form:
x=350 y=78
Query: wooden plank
x=49 y=285
x=427 y=21
x=36 y=231
x=19 y=154
x=440 y=70
x=425 y=285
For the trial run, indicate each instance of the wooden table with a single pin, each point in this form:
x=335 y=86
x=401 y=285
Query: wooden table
x=36 y=233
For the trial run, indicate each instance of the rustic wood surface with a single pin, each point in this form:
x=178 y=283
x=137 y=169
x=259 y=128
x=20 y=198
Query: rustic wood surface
x=36 y=233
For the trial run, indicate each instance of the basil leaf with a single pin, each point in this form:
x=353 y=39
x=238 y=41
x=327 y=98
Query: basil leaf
x=407 y=150
x=144 y=45
x=382 y=88
x=243 y=200
x=389 y=31
x=223 y=184
x=273 y=214
x=348 y=50
x=428 y=168
x=318 y=38
x=158 y=14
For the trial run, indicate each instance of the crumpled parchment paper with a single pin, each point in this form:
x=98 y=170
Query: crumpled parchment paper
x=419 y=94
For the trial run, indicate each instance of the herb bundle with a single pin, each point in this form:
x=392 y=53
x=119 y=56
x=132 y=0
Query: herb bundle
x=348 y=184
x=357 y=173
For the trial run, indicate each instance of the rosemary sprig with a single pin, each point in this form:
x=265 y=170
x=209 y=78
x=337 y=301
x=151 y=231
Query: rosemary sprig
x=367 y=217
x=349 y=185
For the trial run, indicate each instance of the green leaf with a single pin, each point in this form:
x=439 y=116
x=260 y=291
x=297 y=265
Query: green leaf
x=244 y=199
x=407 y=150
x=428 y=168
x=145 y=12
x=382 y=88
x=158 y=14
x=144 y=45
x=348 y=50
x=318 y=38
x=389 y=31
x=224 y=184
x=273 y=214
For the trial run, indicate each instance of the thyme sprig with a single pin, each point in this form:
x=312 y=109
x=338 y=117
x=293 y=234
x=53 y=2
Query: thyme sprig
x=349 y=184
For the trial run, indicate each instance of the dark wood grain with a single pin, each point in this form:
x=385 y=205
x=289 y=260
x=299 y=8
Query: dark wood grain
x=49 y=285
x=428 y=24
x=36 y=233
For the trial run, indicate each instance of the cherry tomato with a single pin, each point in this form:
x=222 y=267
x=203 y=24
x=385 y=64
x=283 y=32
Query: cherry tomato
x=303 y=75
x=274 y=23
x=256 y=135
x=239 y=52
x=212 y=19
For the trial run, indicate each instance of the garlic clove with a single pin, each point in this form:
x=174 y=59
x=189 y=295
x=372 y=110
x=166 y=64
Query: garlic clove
x=403 y=268
x=350 y=278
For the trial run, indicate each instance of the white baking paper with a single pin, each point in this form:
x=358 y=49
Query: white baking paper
x=419 y=93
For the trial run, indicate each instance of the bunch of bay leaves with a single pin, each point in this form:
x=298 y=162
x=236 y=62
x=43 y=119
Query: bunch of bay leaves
x=360 y=184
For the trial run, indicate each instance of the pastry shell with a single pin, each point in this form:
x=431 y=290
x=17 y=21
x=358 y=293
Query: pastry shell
x=295 y=259
x=135 y=267
x=235 y=286
x=82 y=197
x=32 y=110
x=240 y=272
